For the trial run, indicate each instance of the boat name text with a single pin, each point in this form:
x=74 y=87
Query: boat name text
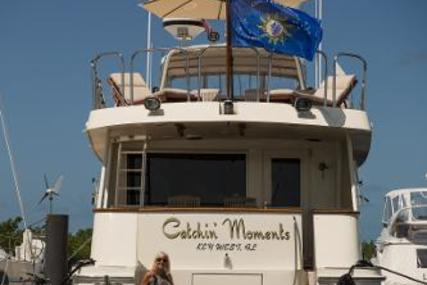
x=173 y=229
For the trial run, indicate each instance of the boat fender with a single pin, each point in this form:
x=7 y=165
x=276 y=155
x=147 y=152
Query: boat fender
x=346 y=279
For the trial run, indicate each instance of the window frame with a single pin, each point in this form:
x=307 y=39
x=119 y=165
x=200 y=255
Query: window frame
x=200 y=152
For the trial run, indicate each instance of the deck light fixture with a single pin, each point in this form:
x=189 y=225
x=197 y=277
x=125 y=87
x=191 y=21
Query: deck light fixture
x=303 y=104
x=228 y=107
x=152 y=103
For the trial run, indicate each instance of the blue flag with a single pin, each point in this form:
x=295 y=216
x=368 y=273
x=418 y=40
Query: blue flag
x=278 y=29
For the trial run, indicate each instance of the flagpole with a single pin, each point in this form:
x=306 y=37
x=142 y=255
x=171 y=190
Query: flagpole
x=229 y=52
x=320 y=44
x=148 y=63
x=318 y=62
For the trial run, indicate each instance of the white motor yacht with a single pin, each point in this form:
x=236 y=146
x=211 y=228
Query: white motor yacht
x=402 y=244
x=255 y=188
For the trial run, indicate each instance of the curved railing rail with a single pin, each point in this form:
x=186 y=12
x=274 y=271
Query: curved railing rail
x=325 y=75
x=199 y=73
x=100 y=102
x=364 y=77
x=406 y=217
x=97 y=94
x=135 y=55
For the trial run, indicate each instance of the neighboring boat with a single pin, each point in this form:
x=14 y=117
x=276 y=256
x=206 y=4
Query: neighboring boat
x=26 y=263
x=402 y=244
x=261 y=188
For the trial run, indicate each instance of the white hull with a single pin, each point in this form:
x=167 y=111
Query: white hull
x=402 y=245
x=401 y=258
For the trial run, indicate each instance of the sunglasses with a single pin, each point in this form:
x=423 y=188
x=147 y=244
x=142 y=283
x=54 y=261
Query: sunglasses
x=159 y=259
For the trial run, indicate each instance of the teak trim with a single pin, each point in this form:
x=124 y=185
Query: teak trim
x=200 y=210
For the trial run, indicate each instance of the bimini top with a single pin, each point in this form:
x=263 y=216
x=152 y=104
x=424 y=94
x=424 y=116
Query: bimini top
x=204 y=9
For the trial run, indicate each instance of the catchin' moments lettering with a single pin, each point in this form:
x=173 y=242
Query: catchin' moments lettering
x=236 y=228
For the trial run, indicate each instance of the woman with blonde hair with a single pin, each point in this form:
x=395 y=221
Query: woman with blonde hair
x=160 y=271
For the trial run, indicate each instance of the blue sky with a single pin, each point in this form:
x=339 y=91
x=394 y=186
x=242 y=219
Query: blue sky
x=46 y=46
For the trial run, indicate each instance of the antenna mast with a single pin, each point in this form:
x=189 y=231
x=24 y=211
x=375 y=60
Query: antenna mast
x=12 y=165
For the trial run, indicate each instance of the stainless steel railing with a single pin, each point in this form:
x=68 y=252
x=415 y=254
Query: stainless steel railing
x=99 y=100
x=359 y=58
x=97 y=94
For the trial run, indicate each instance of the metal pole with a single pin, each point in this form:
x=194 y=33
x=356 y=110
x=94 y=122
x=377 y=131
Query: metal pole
x=229 y=53
x=148 y=67
x=56 y=248
x=150 y=81
x=270 y=63
x=318 y=61
x=320 y=44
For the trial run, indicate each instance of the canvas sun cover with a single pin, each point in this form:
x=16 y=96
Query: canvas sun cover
x=201 y=9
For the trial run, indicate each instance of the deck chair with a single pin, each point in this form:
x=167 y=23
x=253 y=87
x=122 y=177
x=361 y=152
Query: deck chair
x=206 y=94
x=240 y=202
x=174 y=95
x=184 y=201
x=276 y=95
x=251 y=95
x=282 y=95
x=344 y=85
x=140 y=89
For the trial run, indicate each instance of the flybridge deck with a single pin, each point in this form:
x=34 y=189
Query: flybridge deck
x=199 y=74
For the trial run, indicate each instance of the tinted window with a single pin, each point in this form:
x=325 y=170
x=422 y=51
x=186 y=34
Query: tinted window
x=210 y=177
x=387 y=210
x=286 y=182
x=396 y=204
x=419 y=204
x=421 y=258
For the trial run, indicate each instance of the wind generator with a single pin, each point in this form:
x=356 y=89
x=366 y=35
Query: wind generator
x=51 y=191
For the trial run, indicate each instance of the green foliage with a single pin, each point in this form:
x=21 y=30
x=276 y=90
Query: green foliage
x=10 y=234
x=79 y=245
x=368 y=249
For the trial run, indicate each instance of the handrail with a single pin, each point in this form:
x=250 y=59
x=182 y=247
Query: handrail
x=140 y=51
x=132 y=60
x=200 y=55
x=97 y=104
x=258 y=74
x=99 y=100
x=365 y=70
x=199 y=71
x=270 y=57
x=403 y=215
x=325 y=75
x=187 y=69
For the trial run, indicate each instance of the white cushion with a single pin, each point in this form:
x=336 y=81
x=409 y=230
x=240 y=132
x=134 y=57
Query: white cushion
x=140 y=89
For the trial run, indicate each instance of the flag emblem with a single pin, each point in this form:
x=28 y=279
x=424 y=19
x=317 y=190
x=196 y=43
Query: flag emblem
x=276 y=29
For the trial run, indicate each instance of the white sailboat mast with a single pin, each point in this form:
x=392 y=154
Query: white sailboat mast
x=12 y=165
